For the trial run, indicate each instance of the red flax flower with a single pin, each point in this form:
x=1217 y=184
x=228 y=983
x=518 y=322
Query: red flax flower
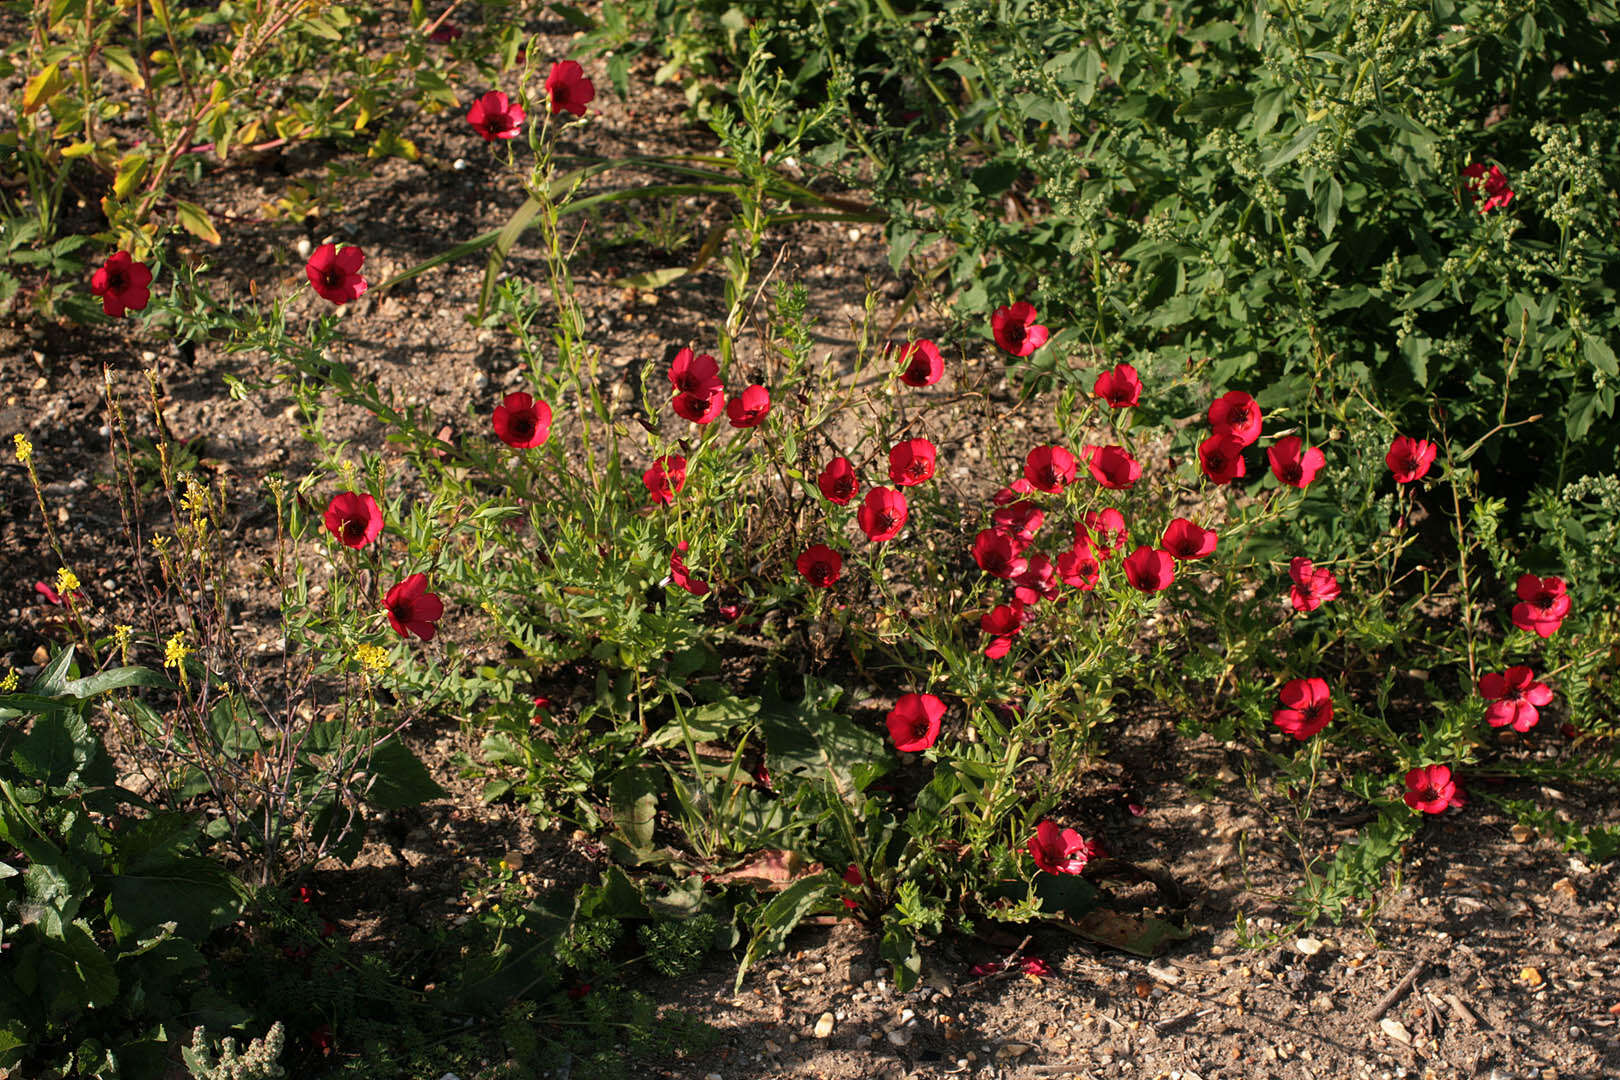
x=1150 y=570
x=1409 y=459
x=820 y=565
x=1038 y=582
x=1120 y=386
x=1060 y=851
x=1543 y=605
x=748 y=408
x=1104 y=529
x=882 y=514
x=1016 y=330
x=521 y=421
x=1236 y=414
x=568 y=88
x=1292 y=464
x=1515 y=698
x=1113 y=467
x=699 y=408
x=496 y=116
x=1078 y=567
x=1050 y=469
x=1431 y=789
x=1493 y=180
x=122 y=284
x=1312 y=585
x=1002 y=622
x=665 y=478
x=681 y=576
x=914 y=722
x=1021 y=521
x=997 y=555
x=1307 y=707
x=335 y=272
x=912 y=462
x=412 y=609
x=1185 y=540
x=1221 y=458
x=697 y=375
x=852 y=878
x=1012 y=491
x=838 y=481
x=354 y=519
x=920 y=363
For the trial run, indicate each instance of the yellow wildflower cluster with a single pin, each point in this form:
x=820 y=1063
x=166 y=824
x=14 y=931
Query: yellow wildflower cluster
x=66 y=582
x=121 y=634
x=175 y=650
x=9 y=683
x=25 y=449
x=373 y=658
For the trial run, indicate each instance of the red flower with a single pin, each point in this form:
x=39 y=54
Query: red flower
x=882 y=514
x=997 y=555
x=495 y=116
x=1012 y=492
x=914 y=722
x=696 y=375
x=51 y=596
x=1113 y=467
x=1104 y=530
x=412 y=609
x=912 y=462
x=1431 y=789
x=1034 y=965
x=335 y=272
x=521 y=421
x=1021 y=521
x=1078 y=567
x=1038 y=582
x=1016 y=330
x=1236 y=414
x=445 y=33
x=1494 y=181
x=1290 y=465
x=542 y=708
x=665 y=478
x=1003 y=620
x=1307 y=707
x=1149 y=569
x=681 y=576
x=1543 y=605
x=122 y=284
x=354 y=519
x=1515 y=698
x=1221 y=458
x=748 y=408
x=1049 y=469
x=820 y=565
x=838 y=481
x=1120 y=386
x=920 y=363
x=852 y=878
x=1409 y=459
x=1312 y=585
x=700 y=408
x=1184 y=540
x=1060 y=851
x=568 y=88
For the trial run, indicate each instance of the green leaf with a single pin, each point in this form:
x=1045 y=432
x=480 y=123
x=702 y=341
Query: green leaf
x=778 y=918
x=574 y=17
x=1599 y=355
x=119 y=59
x=634 y=800
x=1292 y=148
x=116 y=679
x=195 y=893
x=1329 y=198
x=52 y=681
x=807 y=738
x=651 y=279
x=320 y=28
x=399 y=778
x=56 y=746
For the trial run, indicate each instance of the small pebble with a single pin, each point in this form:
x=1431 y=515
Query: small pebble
x=824 y=1026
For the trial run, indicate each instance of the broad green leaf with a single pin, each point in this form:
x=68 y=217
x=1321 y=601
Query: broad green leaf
x=399 y=779
x=1599 y=354
x=116 y=679
x=40 y=89
x=119 y=59
x=634 y=800
x=196 y=221
x=782 y=914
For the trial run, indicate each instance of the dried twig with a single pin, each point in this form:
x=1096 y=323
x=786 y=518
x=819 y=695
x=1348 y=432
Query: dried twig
x=1399 y=990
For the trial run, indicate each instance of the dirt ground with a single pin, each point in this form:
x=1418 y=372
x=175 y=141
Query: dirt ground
x=1496 y=955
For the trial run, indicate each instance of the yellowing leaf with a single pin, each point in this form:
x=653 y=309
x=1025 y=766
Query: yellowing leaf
x=196 y=221
x=131 y=167
x=45 y=85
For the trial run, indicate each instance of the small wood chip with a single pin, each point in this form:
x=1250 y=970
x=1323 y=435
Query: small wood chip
x=1462 y=1012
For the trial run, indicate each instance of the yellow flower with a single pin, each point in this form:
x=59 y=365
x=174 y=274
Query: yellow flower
x=25 y=449
x=175 y=650
x=9 y=683
x=121 y=634
x=371 y=657
x=66 y=582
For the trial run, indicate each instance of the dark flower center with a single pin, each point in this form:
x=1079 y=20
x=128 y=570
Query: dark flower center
x=1016 y=333
x=884 y=520
x=843 y=487
x=354 y=529
x=1239 y=416
x=523 y=430
x=333 y=277
x=1292 y=473
x=117 y=281
x=405 y=611
x=1050 y=476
